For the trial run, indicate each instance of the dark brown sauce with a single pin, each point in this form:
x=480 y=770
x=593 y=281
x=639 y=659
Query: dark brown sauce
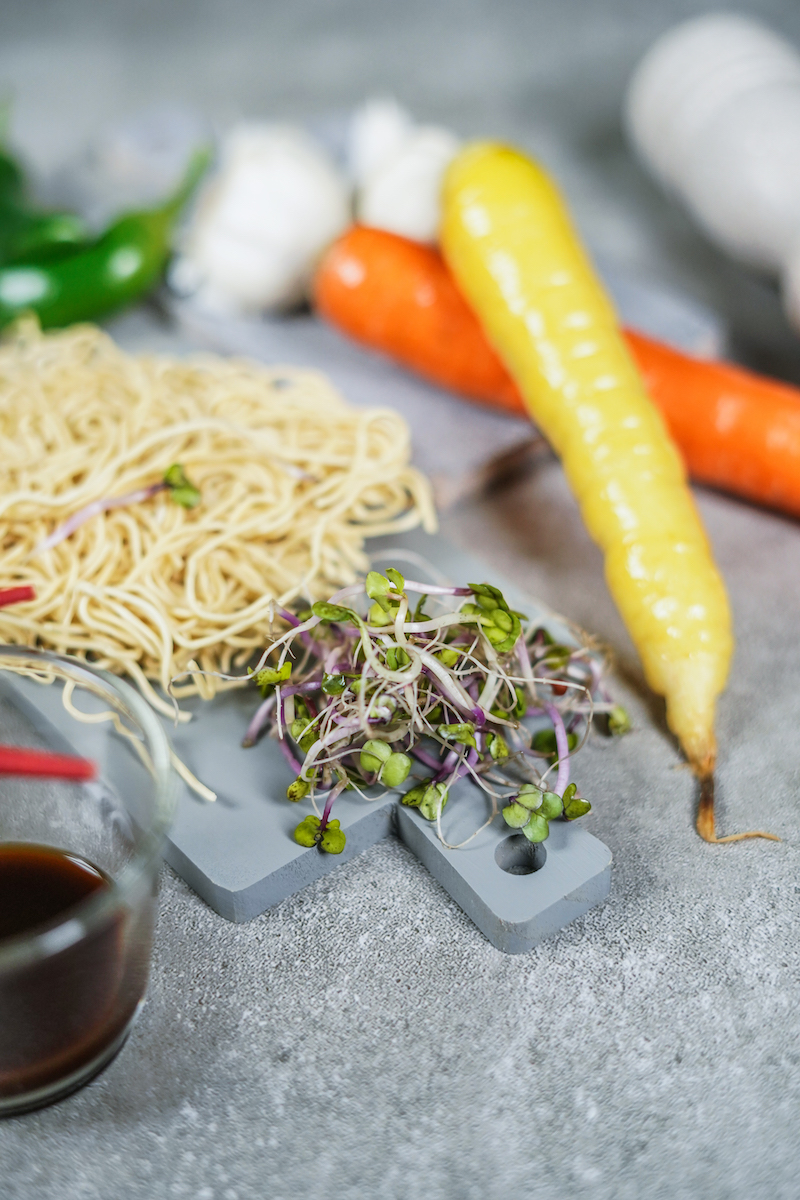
x=60 y=1012
x=39 y=884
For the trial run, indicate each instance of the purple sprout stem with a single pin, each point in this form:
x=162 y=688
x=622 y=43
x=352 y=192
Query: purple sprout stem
x=332 y=794
x=94 y=510
x=258 y=722
x=524 y=658
x=478 y=717
x=295 y=689
x=470 y=761
x=427 y=759
x=562 y=746
x=446 y=767
x=290 y=758
x=305 y=636
x=464 y=766
x=597 y=681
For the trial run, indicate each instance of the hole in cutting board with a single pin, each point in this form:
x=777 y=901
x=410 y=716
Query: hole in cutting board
x=517 y=856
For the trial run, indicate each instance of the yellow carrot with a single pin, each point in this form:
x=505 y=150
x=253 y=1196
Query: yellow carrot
x=510 y=243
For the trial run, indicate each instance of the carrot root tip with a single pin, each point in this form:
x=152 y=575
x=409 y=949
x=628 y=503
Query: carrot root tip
x=705 y=819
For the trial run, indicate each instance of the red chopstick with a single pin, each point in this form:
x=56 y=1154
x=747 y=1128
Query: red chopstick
x=16 y=760
x=16 y=595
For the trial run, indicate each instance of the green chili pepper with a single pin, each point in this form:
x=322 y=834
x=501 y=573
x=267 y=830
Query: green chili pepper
x=115 y=269
x=12 y=179
x=28 y=233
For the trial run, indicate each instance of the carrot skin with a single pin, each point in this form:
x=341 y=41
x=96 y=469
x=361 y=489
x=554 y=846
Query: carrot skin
x=398 y=296
x=737 y=431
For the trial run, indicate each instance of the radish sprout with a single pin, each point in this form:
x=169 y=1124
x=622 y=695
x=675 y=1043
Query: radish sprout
x=381 y=694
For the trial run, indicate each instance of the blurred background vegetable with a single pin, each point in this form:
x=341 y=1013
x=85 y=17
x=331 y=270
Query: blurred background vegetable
x=274 y=204
x=713 y=111
x=27 y=231
x=737 y=431
x=94 y=277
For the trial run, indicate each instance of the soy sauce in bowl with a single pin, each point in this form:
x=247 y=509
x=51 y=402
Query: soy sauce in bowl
x=71 y=1008
x=39 y=884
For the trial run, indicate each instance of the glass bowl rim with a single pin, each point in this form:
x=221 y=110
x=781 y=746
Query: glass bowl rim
x=93 y=912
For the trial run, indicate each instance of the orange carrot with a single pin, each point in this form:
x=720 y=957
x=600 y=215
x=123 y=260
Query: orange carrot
x=398 y=296
x=737 y=431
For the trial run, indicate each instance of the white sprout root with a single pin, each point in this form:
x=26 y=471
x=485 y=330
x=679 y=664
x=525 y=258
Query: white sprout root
x=360 y=695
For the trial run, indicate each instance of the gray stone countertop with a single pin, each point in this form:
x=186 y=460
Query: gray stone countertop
x=363 y=1039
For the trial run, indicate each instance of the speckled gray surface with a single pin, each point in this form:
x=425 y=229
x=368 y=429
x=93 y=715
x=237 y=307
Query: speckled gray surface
x=363 y=1039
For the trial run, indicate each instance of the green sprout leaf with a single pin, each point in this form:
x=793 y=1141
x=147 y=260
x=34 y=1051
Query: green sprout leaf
x=396 y=658
x=373 y=755
x=180 y=489
x=310 y=833
x=433 y=801
x=419 y=611
x=574 y=806
x=414 y=796
x=537 y=828
x=378 y=587
x=551 y=806
x=448 y=656
x=396 y=769
x=297 y=790
x=334 y=612
x=516 y=815
x=334 y=685
x=497 y=746
x=302 y=734
x=270 y=676
x=499 y=623
x=618 y=721
x=306 y=832
x=503 y=640
x=530 y=796
x=332 y=840
x=486 y=596
x=463 y=733
x=380 y=618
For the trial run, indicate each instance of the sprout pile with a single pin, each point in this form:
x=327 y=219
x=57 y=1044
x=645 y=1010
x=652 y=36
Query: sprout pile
x=362 y=690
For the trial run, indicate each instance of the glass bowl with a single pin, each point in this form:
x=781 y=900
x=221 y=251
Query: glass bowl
x=79 y=865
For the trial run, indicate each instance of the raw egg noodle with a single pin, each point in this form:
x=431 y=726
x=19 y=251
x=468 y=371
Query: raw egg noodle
x=292 y=479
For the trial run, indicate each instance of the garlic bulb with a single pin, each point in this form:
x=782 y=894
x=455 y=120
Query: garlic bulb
x=378 y=130
x=263 y=221
x=398 y=167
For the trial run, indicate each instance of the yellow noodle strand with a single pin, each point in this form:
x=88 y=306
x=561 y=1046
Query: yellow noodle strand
x=292 y=480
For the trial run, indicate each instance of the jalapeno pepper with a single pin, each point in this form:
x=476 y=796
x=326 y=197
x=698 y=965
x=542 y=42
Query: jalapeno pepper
x=102 y=275
x=28 y=233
